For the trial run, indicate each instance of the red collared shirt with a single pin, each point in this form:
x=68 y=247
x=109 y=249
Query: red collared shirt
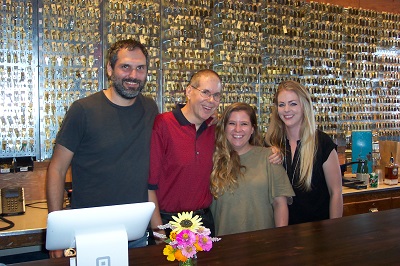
x=181 y=162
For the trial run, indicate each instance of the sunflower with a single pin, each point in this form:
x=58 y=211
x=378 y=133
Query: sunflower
x=185 y=220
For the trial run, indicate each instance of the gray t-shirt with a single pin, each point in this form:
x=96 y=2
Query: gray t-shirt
x=111 y=146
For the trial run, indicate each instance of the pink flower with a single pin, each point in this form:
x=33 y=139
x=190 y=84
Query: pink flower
x=185 y=238
x=189 y=251
x=205 y=242
x=203 y=231
x=188 y=237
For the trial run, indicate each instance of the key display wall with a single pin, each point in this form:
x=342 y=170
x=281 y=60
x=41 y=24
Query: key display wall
x=19 y=126
x=70 y=59
x=52 y=53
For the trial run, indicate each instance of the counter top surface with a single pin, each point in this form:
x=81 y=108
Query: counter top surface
x=29 y=228
x=34 y=219
x=365 y=239
x=381 y=187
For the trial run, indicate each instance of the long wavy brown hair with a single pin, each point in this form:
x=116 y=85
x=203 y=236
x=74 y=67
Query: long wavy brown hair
x=227 y=167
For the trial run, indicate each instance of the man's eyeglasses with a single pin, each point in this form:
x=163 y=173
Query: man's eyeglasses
x=207 y=94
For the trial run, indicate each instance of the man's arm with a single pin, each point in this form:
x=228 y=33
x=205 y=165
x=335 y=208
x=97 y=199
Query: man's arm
x=56 y=173
x=156 y=217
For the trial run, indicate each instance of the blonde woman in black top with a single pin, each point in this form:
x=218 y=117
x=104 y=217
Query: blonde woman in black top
x=310 y=156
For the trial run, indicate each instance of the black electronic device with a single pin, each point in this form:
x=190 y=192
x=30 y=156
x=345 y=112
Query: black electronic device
x=343 y=167
x=357 y=184
x=352 y=183
x=12 y=201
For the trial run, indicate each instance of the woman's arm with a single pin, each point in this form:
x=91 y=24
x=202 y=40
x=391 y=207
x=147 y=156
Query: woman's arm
x=333 y=179
x=281 y=211
x=276 y=157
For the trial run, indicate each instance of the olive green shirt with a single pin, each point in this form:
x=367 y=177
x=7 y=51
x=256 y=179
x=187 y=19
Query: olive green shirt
x=249 y=207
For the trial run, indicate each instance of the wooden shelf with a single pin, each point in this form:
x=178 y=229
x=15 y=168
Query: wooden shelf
x=370 y=200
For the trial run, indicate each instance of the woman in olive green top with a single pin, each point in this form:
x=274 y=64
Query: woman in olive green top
x=249 y=192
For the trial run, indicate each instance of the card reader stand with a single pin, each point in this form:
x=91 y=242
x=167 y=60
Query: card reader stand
x=352 y=183
x=102 y=247
x=356 y=184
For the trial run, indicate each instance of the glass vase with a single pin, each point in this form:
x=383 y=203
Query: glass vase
x=188 y=262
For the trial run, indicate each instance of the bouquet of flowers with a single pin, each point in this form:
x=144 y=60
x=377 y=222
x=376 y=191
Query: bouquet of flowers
x=187 y=237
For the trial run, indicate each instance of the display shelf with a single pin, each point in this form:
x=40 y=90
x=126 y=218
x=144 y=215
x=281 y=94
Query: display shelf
x=70 y=62
x=19 y=125
x=52 y=54
x=186 y=33
x=140 y=20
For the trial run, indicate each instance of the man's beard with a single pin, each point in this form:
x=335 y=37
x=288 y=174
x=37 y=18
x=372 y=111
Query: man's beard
x=127 y=93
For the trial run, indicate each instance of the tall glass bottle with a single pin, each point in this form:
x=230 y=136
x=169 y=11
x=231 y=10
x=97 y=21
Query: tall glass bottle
x=391 y=172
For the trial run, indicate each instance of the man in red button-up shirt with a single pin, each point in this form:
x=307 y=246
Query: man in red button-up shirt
x=182 y=146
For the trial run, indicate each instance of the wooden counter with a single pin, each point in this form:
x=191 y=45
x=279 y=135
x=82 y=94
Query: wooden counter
x=29 y=229
x=365 y=239
x=381 y=187
x=384 y=197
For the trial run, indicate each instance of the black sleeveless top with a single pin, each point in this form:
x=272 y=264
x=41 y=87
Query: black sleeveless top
x=311 y=205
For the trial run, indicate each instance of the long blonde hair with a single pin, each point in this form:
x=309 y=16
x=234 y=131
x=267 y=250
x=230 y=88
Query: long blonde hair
x=227 y=167
x=276 y=133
